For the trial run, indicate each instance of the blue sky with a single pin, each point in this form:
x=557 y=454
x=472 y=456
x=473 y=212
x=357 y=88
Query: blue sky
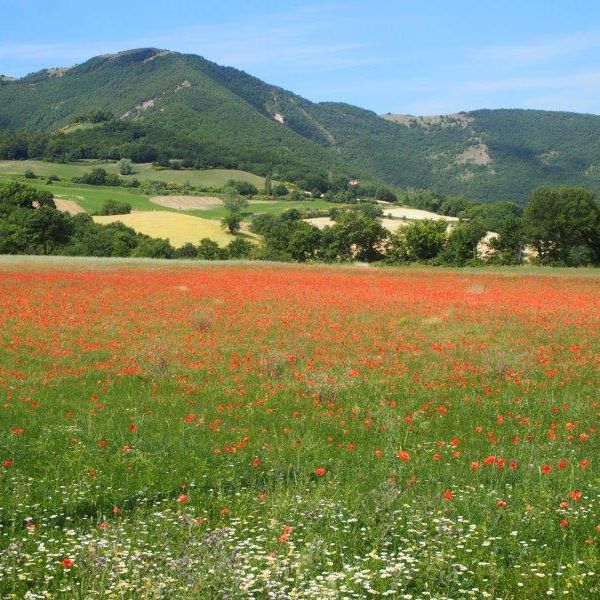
x=423 y=57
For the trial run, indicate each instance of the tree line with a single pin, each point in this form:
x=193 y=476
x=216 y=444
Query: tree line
x=559 y=227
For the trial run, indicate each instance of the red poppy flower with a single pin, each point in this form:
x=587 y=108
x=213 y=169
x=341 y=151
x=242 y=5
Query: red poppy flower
x=67 y=563
x=183 y=498
x=448 y=495
x=546 y=469
x=320 y=471
x=403 y=456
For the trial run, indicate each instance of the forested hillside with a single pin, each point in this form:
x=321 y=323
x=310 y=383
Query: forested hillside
x=154 y=105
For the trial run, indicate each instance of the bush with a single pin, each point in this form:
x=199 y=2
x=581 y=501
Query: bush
x=370 y=209
x=186 y=251
x=240 y=248
x=209 y=250
x=29 y=174
x=244 y=188
x=98 y=176
x=385 y=194
x=279 y=189
x=153 y=248
x=125 y=166
x=114 y=207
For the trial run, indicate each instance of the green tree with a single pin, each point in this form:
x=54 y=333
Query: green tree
x=354 y=235
x=240 y=248
x=232 y=222
x=41 y=231
x=369 y=209
x=244 y=188
x=186 y=251
x=234 y=202
x=153 y=248
x=98 y=176
x=563 y=225
x=268 y=187
x=209 y=250
x=304 y=241
x=424 y=239
x=279 y=189
x=509 y=246
x=461 y=247
x=22 y=195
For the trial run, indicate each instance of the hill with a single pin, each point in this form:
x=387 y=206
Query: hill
x=152 y=105
x=493 y=154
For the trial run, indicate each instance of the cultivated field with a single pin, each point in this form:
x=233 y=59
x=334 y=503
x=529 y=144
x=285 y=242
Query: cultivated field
x=187 y=202
x=177 y=228
x=184 y=430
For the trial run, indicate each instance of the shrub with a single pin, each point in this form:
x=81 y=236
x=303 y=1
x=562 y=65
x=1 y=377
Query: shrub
x=125 y=166
x=240 y=248
x=114 y=207
x=209 y=250
x=243 y=188
x=186 y=251
x=98 y=176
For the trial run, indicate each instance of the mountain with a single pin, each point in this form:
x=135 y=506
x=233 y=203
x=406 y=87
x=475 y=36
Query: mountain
x=184 y=106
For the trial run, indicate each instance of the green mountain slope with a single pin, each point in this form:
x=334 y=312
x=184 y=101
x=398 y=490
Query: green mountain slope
x=180 y=104
x=185 y=106
x=494 y=154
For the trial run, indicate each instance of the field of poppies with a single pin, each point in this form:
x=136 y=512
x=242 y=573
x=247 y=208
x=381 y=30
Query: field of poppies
x=261 y=431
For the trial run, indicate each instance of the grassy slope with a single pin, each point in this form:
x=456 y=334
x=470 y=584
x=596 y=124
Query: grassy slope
x=144 y=172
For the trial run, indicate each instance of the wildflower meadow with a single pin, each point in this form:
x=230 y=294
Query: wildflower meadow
x=263 y=431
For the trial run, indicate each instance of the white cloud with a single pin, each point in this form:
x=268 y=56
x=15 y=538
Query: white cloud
x=540 y=50
x=292 y=40
x=585 y=79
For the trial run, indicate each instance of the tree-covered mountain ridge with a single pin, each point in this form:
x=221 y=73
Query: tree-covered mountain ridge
x=184 y=106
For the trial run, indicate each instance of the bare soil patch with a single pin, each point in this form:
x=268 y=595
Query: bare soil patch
x=415 y=214
x=187 y=202
x=68 y=206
